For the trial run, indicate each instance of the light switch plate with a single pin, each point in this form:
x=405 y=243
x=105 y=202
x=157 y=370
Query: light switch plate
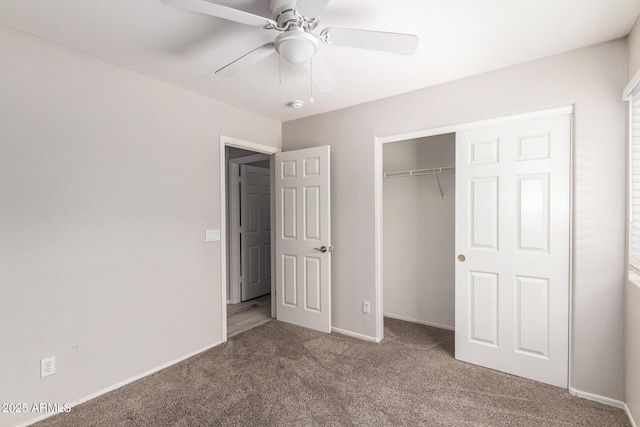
x=212 y=235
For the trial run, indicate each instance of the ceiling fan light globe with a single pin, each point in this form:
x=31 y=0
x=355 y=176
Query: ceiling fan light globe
x=297 y=47
x=297 y=51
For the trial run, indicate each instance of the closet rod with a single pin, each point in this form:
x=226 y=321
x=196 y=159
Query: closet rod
x=418 y=172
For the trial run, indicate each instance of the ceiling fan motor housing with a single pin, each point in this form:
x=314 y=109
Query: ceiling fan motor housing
x=283 y=12
x=295 y=45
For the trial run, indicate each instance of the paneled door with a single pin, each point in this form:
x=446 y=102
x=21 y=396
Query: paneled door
x=512 y=245
x=303 y=238
x=255 y=231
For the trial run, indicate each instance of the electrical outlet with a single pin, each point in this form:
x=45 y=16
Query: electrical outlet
x=366 y=307
x=47 y=366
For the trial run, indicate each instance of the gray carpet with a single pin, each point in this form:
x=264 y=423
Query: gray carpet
x=282 y=375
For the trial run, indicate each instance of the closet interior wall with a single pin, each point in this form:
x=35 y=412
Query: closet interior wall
x=419 y=232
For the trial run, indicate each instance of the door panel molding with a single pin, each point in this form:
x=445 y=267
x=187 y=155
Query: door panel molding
x=529 y=309
x=303 y=234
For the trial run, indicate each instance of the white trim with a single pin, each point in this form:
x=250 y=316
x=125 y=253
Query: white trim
x=628 y=412
x=629 y=177
x=571 y=234
x=558 y=111
x=597 y=398
x=633 y=83
x=227 y=141
x=274 y=288
x=248 y=145
x=233 y=272
x=421 y=322
x=354 y=334
x=378 y=243
x=123 y=383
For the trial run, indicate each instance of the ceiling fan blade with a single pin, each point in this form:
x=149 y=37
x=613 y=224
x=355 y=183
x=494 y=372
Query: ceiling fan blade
x=405 y=44
x=321 y=75
x=224 y=12
x=256 y=55
x=311 y=8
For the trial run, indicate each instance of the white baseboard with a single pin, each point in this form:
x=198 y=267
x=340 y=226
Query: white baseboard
x=354 y=334
x=421 y=322
x=123 y=383
x=596 y=398
x=631 y=420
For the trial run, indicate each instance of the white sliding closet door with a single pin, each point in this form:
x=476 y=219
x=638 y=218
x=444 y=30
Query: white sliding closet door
x=512 y=240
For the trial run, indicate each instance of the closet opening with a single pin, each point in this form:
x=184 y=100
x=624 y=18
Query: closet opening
x=418 y=222
x=477 y=256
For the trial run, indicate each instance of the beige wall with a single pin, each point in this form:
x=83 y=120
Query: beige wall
x=419 y=232
x=634 y=50
x=108 y=180
x=593 y=79
x=632 y=308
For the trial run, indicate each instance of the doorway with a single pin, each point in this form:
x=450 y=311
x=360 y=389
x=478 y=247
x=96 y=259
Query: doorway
x=249 y=242
x=419 y=230
x=242 y=312
x=248 y=225
x=299 y=222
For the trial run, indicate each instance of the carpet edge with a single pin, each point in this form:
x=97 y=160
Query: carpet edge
x=123 y=383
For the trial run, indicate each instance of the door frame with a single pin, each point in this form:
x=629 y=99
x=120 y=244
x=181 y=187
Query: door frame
x=378 y=201
x=227 y=141
x=233 y=201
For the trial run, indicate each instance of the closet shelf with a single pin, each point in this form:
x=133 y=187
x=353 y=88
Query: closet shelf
x=419 y=172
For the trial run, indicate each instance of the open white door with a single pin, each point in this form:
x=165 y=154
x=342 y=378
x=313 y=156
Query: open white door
x=255 y=190
x=303 y=238
x=512 y=241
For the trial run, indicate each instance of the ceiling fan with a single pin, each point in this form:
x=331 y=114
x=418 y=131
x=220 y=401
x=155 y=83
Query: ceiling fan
x=297 y=43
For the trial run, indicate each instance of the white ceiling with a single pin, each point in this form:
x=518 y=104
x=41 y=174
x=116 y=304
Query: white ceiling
x=458 y=38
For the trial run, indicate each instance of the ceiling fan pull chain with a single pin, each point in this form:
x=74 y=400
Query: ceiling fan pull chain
x=280 y=69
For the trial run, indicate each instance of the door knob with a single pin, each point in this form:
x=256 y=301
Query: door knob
x=322 y=249
x=461 y=258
